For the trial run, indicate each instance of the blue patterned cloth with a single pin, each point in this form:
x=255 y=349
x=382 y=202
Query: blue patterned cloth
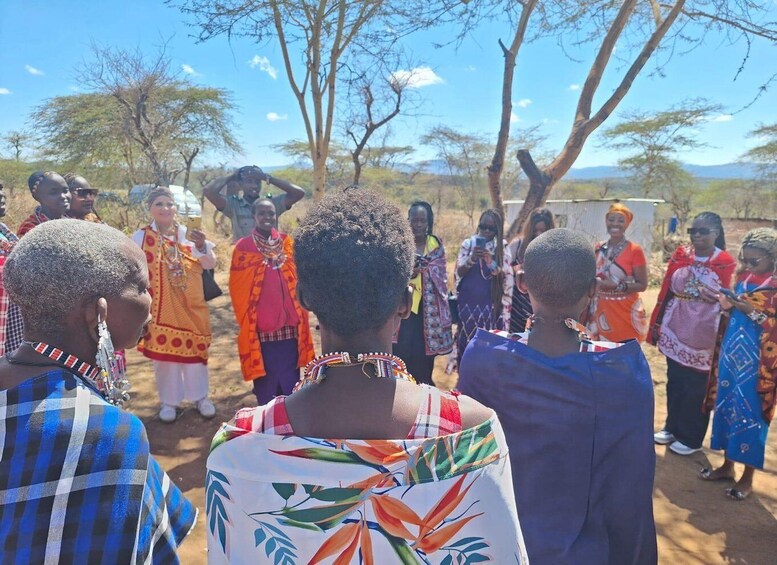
x=739 y=427
x=77 y=481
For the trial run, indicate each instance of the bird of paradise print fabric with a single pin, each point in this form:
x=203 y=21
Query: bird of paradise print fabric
x=286 y=499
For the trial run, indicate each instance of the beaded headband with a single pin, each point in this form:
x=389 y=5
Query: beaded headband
x=39 y=179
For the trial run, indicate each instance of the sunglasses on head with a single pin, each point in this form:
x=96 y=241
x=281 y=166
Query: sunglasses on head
x=751 y=262
x=84 y=192
x=484 y=227
x=700 y=231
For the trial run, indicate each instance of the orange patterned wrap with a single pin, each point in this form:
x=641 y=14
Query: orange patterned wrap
x=180 y=327
x=246 y=276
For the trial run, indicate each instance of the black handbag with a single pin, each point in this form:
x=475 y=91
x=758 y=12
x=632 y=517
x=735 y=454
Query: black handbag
x=210 y=287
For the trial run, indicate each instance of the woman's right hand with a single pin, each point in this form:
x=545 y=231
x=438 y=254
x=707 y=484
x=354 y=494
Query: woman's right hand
x=476 y=254
x=606 y=284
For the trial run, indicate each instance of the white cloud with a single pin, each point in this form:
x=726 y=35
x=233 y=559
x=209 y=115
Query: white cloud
x=417 y=77
x=523 y=103
x=574 y=87
x=4 y=91
x=471 y=68
x=33 y=71
x=549 y=121
x=263 y=63
x=514 y=118
x=722 y=118
x=189 y=70
x=274 y=116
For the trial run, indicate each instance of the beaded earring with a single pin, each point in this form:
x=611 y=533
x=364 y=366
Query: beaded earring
x=112 y=374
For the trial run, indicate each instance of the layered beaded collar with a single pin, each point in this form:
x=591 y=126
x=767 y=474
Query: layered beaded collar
x=113 y=390
x=384 y=366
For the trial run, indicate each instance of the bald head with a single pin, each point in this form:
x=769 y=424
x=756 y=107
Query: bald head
x=559 y=268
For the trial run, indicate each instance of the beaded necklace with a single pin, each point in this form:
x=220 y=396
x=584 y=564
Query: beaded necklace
x=271 y=247
x=112 y=389
x=173 y=259
x=384 y=366
x=582 y=332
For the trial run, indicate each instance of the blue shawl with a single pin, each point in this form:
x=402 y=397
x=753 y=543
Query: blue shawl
x=580 y=432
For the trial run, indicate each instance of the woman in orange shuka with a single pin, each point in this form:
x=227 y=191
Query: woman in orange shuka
x=617 y=313
x=274 y=339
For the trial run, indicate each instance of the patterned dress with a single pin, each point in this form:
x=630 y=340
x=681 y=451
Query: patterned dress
x=476 y=307
x=618 y=316
x=742 y=375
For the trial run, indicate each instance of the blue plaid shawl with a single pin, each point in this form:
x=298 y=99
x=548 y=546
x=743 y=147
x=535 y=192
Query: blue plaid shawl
x=77 y=481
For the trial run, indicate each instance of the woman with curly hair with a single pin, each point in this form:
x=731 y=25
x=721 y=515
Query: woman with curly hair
x=744 y=369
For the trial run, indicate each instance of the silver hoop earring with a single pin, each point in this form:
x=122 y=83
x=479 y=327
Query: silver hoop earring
x=112 y=371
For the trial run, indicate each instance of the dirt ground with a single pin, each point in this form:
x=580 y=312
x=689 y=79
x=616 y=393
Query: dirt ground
x=696 y=523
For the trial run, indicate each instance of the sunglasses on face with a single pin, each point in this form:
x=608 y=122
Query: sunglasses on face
x=750 y=262
x=484 y=227
x=699 y=231
x=84 y=192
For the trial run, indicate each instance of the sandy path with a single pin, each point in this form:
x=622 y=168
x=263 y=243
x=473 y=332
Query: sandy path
x=696 y=523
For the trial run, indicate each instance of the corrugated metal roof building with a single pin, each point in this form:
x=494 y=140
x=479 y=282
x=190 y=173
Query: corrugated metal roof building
x=587 y=216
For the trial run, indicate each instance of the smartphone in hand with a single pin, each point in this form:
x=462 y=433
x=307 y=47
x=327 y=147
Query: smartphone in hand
x=193 y=222
x=480 y=242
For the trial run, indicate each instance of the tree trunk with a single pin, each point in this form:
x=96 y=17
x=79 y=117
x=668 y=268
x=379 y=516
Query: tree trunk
x=357 y=168
x=540 y=184
x=497 y=163
x=319 y=177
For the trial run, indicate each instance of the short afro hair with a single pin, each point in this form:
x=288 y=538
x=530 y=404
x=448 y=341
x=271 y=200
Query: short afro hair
x=559 y=267
x=354 y=255
x=61 y=263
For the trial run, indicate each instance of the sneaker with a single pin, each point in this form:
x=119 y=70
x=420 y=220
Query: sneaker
x=682 y=449
x=168 y=414
x=206 y=408
x=663 y=437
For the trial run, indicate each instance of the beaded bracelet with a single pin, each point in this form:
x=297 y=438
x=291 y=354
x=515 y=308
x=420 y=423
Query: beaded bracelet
x=757 y=317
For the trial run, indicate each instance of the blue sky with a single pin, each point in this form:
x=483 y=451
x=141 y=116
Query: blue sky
x=41 y=43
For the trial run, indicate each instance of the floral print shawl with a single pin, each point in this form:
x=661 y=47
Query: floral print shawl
x=438 y=500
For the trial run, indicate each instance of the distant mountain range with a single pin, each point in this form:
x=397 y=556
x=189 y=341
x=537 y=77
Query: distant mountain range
x=726 y=171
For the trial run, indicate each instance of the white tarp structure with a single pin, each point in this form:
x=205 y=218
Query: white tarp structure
x=587 y=216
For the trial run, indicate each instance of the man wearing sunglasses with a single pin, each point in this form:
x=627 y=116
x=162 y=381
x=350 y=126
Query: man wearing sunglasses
x=82 y=197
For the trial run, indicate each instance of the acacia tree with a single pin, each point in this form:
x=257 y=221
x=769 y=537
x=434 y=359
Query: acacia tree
x=375 y=95
x=139 y=114
x=639 y=29
x=765 y=154
x=464 y=156
x=17 y=140
x=653 y=140
x=315 y=38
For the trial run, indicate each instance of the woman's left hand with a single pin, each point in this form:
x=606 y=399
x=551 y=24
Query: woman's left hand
x=198 y=238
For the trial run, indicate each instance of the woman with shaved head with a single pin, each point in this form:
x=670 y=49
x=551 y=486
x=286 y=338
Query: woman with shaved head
x=77 y=480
